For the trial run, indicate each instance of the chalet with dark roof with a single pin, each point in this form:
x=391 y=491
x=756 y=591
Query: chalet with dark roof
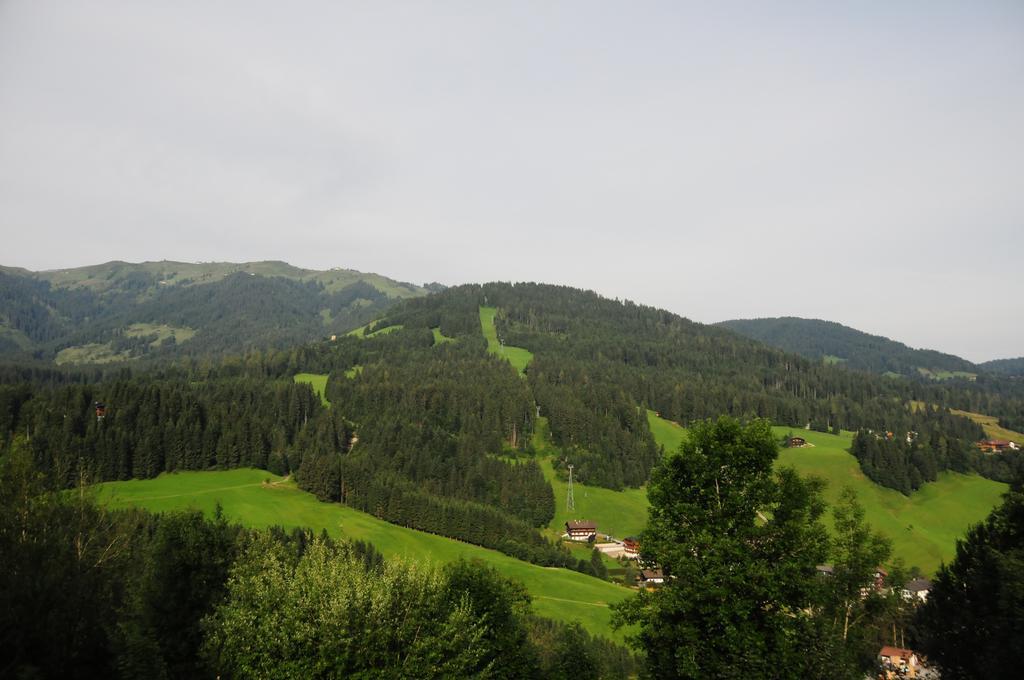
x=581 y=529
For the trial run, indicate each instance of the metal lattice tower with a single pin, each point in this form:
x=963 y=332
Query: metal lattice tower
x=570 y=503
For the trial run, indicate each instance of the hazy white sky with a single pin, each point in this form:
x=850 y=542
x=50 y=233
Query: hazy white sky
x=860 y=162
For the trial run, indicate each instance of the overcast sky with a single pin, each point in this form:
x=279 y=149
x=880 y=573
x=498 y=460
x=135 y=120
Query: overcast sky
x=861 y=162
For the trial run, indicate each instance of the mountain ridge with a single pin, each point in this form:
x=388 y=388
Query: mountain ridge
x=832 y=342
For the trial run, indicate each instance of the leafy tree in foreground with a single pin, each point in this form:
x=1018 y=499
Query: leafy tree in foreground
x=739 y=544
x=852 y=603
x=324 y=616
x=973 y=622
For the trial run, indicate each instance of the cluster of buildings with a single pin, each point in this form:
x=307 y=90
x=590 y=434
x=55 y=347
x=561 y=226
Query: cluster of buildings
x=894 y=662
x=629 y=547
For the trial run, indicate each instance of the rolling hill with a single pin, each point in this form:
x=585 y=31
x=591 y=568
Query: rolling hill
x=834 y=343
x=122 y=311
x=1013 y=368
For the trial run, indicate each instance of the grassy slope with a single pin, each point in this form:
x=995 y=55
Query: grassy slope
x=558 y=593
x=439 y=337
x=517 y=356
x=318 y=381
x=923 y=527
x=668 y=434
x=163 y=331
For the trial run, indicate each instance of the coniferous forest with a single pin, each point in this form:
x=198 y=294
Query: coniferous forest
x=435 y=436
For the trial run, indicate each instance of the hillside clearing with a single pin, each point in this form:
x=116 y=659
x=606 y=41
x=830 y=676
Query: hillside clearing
x=519 y=358
x=439 y=337
x=318 y=381
x=245 y=498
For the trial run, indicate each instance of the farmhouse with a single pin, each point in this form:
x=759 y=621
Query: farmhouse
x=917 y=589
x=825 y=570
x=996 y=445
x=796 y=442
x=651 y=577
x=581 y=529
x=631 y=546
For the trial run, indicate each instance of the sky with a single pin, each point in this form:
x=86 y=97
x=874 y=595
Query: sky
x=858 y=162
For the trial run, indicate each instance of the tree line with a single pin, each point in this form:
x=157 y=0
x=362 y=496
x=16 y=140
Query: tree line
x=88 y=592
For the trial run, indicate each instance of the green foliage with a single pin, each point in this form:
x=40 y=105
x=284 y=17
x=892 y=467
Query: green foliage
x=923 y=526
x=517 y=356
x=245 y=498
x=835 y=343
x=739 y=545
x=1007 y=367
x=972 y=624
x=324 y=615
x=852 y=601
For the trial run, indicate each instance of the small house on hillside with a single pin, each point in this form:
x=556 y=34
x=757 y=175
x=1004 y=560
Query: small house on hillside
x=796 y=442
x=918 y=589
x=996 y=445
x=631 y=546
x=899 y=659
x=581 y=529
x=651 y=577
x=825 y=570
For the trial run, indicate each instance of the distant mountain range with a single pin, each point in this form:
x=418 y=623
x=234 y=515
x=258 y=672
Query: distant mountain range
x=831 y=342
x=120 y=311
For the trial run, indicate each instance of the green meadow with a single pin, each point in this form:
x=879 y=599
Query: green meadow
x=258 y=499
x=617 y=513
x=318 y=381
x=439 y=337
x=668 y=434
x=361 y=332
x=923 y=526
x=517 y=356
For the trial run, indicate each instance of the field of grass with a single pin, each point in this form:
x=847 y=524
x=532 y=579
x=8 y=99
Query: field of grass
x=517 y=356
x=940 y=374
x=831 y=359
x=924 y=526
x=163 y=331
x=361 y=332
x=439 y=337
x=247 y=498
x=318 y=381
x=90 y=353
x=384 y=331
x=668 y=434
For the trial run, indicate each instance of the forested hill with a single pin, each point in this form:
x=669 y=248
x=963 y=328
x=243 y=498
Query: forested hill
x=597 y=362
x=1013 y=368
x=121 y=311
x=834 y=343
